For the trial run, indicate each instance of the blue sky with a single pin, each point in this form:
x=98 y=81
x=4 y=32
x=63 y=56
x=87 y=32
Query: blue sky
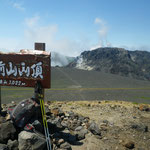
x=72 y=26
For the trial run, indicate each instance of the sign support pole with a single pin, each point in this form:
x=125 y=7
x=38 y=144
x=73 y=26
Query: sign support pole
x=39 y=46
x=39 y=94
x=0 y=101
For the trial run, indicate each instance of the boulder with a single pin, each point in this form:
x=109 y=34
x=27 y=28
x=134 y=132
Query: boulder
x=72 y=125
x=55 y=125
x=38 y=126
x=3 y=147
x=93 y=127
x=31 y=141
x=13 y=145
x=7 y=131
x=81 y=134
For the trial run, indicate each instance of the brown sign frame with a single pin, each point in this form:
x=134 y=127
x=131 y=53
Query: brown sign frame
x=25 y=69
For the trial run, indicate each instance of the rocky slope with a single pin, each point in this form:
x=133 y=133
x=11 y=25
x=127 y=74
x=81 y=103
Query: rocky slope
x=134 y=64
x=97 y=125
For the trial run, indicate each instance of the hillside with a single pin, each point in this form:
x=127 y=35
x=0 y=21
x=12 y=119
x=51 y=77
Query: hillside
x=118 y=61
x=75 y=84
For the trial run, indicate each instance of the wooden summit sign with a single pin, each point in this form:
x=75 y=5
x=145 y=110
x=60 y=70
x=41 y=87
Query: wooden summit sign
x=24 y=69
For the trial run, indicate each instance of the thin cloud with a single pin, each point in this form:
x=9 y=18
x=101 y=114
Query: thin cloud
x=30 y=22
x=102 y=27
x=49 y=34
x=18 y=6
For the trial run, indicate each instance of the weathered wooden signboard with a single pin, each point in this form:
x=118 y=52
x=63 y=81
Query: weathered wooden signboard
x=24 y=69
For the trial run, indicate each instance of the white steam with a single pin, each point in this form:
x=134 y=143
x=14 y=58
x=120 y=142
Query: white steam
x=58 y=59
x=102 y=32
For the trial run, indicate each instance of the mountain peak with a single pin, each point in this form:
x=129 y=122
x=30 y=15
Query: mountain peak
x=115 y=60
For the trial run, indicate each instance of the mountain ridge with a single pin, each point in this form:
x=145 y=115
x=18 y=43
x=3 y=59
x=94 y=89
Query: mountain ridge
x=115 y=60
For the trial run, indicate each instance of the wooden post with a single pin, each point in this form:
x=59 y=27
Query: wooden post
x=39 y=46
x=0 y=100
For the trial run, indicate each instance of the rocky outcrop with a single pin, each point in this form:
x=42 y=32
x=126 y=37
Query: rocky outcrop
x=113 y=60
x=31 y=141
x=84 y=125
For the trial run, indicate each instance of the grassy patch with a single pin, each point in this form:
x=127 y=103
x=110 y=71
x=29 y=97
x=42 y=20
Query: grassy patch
x=135 y=103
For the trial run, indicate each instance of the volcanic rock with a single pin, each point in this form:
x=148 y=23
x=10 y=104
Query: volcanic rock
x=93 y=127
x=7 y=131
x=3 y=147
x=13 y=145
x=31 y=141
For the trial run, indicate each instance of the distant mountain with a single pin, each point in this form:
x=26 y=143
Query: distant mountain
x=119 y=61
x=60 y=60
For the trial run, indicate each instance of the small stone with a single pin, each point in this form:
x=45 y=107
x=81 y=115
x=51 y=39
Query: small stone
x=83 y=124
x=89 y=105
x=38 y=126
x=120 y=141
x=7 y=117
x=72 y=125
x=62 y=117
x=65 y=146
x=64 y=124
x=105 y=138
x=105 y=121
x=140 y=127
x=144 y=108
x=61 y=141
x=59 y=105
x=65 y=119
x=67 y=115
x=55 y=111
x=78 y=128
x=129 y=145
x=72 y=108
x=101 y=113
x=81 y=118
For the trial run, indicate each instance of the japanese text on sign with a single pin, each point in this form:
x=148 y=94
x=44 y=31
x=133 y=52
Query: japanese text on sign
x=34 y=70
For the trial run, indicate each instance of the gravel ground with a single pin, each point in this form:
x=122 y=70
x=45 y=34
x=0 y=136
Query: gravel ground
x=123 y=125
